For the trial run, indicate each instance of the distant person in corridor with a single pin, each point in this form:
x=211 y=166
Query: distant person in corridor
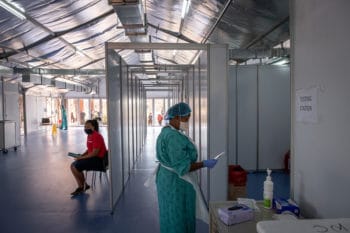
x=150 y=119
x=160 y=119
x=91 y=159
x=177 y=157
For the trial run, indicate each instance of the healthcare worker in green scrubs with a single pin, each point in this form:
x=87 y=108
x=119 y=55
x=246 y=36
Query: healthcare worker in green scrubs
x=177 y=156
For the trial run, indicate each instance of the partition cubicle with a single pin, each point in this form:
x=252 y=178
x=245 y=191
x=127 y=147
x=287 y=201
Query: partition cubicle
x=127 y=113
x=259 y=116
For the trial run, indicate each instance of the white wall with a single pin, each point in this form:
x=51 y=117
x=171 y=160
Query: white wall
x=10 y=106
x=35 y=110
x=321 y=150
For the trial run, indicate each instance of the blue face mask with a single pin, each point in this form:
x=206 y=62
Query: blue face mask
x=88 y=131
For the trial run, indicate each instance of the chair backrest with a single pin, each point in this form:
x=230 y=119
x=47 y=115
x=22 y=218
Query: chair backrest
x=105 y=161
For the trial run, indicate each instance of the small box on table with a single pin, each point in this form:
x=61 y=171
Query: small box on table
x=235 y=214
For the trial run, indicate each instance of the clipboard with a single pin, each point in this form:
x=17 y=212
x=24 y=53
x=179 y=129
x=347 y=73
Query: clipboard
x=219 y=155
x=74 y=155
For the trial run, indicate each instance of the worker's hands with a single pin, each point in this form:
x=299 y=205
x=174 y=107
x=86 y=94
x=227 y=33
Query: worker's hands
x=79 y=157
x=210 y=163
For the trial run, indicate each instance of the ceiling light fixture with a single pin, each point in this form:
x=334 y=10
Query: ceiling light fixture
x=185 y=7
x=281 y=62
x=15 y=10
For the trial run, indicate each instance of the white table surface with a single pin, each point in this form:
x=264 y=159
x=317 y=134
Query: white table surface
x=304 y=226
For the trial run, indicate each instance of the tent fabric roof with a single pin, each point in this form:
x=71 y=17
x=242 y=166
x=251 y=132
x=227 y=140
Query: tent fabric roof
x=69 y=34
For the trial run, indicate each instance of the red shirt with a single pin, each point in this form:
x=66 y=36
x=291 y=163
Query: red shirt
x=95 y=141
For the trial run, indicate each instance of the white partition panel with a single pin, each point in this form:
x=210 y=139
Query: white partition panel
x=35 y=110
x=138 y=126
x=259 y=113
x=196 y=102
x=218 y=121
x=247 y=117
x=130 y=121
x=232 y=114
x=124 y=121
x=134 y=122
x=203 y=117
x=1 y=101
x=114 y=124
x=11 y=107
x=274 y=116
x=189 y=84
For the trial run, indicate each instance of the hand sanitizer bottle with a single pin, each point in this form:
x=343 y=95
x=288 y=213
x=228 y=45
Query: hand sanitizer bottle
x=268 y=190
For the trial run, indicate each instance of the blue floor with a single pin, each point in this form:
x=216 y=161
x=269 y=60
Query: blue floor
x=36 y=182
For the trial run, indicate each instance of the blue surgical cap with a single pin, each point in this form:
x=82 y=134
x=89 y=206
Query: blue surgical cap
x=179 y=109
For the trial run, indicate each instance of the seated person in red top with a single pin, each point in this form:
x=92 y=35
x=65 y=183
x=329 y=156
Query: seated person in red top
x=91 y=159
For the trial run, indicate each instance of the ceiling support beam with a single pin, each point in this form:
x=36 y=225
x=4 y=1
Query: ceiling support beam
x=262 y=36
x=74 y=72
x=227 y=4
x=238 y=54
x=155 y=46
x=171 y=33
x=162 y=67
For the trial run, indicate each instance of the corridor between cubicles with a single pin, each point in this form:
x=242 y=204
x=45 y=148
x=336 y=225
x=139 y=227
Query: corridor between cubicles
x=202 y=84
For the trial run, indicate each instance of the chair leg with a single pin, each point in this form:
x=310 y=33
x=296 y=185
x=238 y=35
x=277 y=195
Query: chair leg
x=93 y=177
x=93 y=180
x=86 y=176
x=106 y=175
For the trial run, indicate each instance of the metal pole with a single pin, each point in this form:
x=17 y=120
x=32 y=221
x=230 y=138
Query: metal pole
x=257 y=117
x=25 y=113
x=3 y=98
x=236 y=113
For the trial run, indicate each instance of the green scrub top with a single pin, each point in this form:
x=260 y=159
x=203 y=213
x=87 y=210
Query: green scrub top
x=176 y=197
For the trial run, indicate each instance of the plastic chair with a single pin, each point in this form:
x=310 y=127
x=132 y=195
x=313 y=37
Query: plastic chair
x=94 y=175
x=104 y=171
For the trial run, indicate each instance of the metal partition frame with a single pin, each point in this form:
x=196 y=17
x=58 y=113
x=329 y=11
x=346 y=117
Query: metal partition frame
x=259 y=116
x=113 y=67
x=211 y=80
x=218 y=119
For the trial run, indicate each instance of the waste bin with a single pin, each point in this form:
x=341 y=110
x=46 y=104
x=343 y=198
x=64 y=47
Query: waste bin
x=237 y=182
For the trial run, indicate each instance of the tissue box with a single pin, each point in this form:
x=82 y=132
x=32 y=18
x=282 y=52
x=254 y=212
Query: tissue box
x=240 y=213
x=285 y=206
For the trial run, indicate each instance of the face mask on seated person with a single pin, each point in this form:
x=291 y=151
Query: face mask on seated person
x=88 y=131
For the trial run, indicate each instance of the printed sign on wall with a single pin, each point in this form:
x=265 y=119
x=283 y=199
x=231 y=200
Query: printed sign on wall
x=306 y=105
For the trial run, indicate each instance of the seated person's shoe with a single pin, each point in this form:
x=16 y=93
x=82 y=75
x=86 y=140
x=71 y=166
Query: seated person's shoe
x=78 y=191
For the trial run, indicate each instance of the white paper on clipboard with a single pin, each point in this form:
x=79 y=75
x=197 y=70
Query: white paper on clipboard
x=219 y=155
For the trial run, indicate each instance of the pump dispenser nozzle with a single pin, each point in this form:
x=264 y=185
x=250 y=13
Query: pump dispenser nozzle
x=268 y=174
x=268 y=190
